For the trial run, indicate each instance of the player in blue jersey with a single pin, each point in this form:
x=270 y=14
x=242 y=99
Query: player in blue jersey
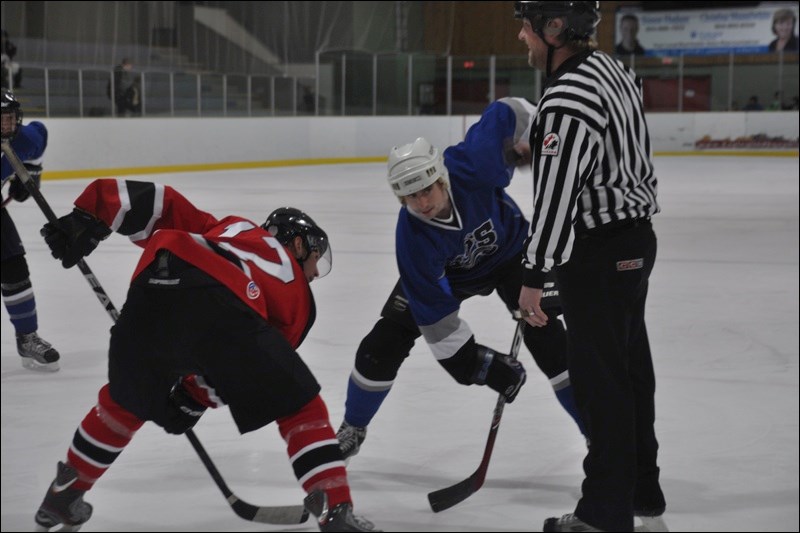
x=29 y=143
x=458 y=235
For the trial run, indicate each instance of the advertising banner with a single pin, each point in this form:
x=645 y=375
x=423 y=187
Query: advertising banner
x=749 y=30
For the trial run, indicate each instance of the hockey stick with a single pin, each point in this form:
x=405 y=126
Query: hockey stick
x=449 y=496
x=296 y=514
x=22 y=174
x=290 y=514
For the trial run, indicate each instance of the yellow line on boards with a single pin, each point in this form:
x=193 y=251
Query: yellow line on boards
x=200 y=167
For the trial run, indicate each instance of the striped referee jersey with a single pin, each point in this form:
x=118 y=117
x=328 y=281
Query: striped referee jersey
x=592 y=158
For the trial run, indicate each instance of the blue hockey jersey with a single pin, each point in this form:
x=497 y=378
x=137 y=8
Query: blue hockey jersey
x=487 y=228
x=29 y=145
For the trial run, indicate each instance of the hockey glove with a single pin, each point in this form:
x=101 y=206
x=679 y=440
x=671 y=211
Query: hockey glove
x=183 y=412
x=500 y=372
x=74 y=237
x=17 y=190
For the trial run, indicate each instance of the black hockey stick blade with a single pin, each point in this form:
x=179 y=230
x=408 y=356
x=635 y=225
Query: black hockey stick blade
x=288 y=514
x=447 y=497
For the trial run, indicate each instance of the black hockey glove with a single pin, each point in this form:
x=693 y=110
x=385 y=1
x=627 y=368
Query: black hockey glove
x=183 y=412
x=500 y=372
x=17 y=190
x=74 y=237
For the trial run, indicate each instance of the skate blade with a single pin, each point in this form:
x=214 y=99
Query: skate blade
x=33 y=364
x=651 y=524
x=63 y=528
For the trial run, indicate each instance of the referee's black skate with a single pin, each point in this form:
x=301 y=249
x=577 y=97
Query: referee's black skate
x=649 y=521
x=568 y=522
x=37 y=353
x=63 y=505
x=340 y=518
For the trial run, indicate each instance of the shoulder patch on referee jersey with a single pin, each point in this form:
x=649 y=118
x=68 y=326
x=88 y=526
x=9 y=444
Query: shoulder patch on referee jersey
x=551 y=144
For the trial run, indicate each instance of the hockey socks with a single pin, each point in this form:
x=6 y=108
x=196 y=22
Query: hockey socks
x=364 y=398
x=21 y=305
x=314 y=452
x=101 y=437
x=563 y=389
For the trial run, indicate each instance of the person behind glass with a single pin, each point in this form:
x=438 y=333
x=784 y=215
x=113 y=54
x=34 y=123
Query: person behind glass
x=29 y=143
x=594 y=189
x=783 y=24
x=777 y=102
x=126 y=89
x=12 y=73
x=753 y=104
x=629 y=28
x=309 y=100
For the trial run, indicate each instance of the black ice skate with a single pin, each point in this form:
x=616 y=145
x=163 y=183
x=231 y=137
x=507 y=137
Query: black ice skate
x=340 y=518
x=63 y=504
x=568 y=522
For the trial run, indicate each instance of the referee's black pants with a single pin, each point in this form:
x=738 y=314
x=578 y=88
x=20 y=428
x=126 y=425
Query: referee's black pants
x=603 y=290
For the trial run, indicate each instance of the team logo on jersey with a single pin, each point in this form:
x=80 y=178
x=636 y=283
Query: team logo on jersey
x=253 y=291
x=551 y=144
x=478 y=243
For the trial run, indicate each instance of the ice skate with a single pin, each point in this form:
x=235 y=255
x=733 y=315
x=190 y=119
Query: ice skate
x=340 y=518
x=647 y=523
x=37 y=353
x=568 y=522
x=350 y=440
x=63 y=505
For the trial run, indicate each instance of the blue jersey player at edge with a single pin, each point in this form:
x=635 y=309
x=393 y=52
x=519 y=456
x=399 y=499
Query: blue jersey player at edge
x=459 y=234
x=29 y=143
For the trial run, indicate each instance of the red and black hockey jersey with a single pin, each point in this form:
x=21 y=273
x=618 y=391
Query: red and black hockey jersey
x=235 y=251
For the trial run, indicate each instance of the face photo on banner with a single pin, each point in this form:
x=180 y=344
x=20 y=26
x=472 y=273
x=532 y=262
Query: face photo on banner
x=784 y=24
x=746 y=30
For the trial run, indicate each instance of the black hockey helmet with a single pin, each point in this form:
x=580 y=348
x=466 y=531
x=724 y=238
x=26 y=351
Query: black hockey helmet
x=11 y=115
x=285 y=223
x=581 y=17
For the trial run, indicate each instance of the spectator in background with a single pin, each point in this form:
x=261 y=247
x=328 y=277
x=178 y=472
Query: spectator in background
x=783 y=24
x=629 y=28
x=753 y=104
x=12 y=73
x=309 y=100
x=126 y=90
x=777 y=102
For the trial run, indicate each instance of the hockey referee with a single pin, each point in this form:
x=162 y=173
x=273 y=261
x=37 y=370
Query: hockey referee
x=594 y=191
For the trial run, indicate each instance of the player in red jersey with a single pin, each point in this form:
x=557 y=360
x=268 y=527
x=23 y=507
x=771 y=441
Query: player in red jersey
x=214 y=314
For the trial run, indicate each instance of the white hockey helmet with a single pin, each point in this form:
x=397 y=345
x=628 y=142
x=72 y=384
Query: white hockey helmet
x=414 y=166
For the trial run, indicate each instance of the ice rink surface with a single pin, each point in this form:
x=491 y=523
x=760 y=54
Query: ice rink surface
x=723 y=323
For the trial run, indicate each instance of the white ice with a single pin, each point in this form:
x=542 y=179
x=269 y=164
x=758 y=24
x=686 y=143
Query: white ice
x=723 y=323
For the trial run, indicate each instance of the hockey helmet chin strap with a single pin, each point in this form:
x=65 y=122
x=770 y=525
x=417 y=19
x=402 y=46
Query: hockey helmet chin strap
x=538 y=29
